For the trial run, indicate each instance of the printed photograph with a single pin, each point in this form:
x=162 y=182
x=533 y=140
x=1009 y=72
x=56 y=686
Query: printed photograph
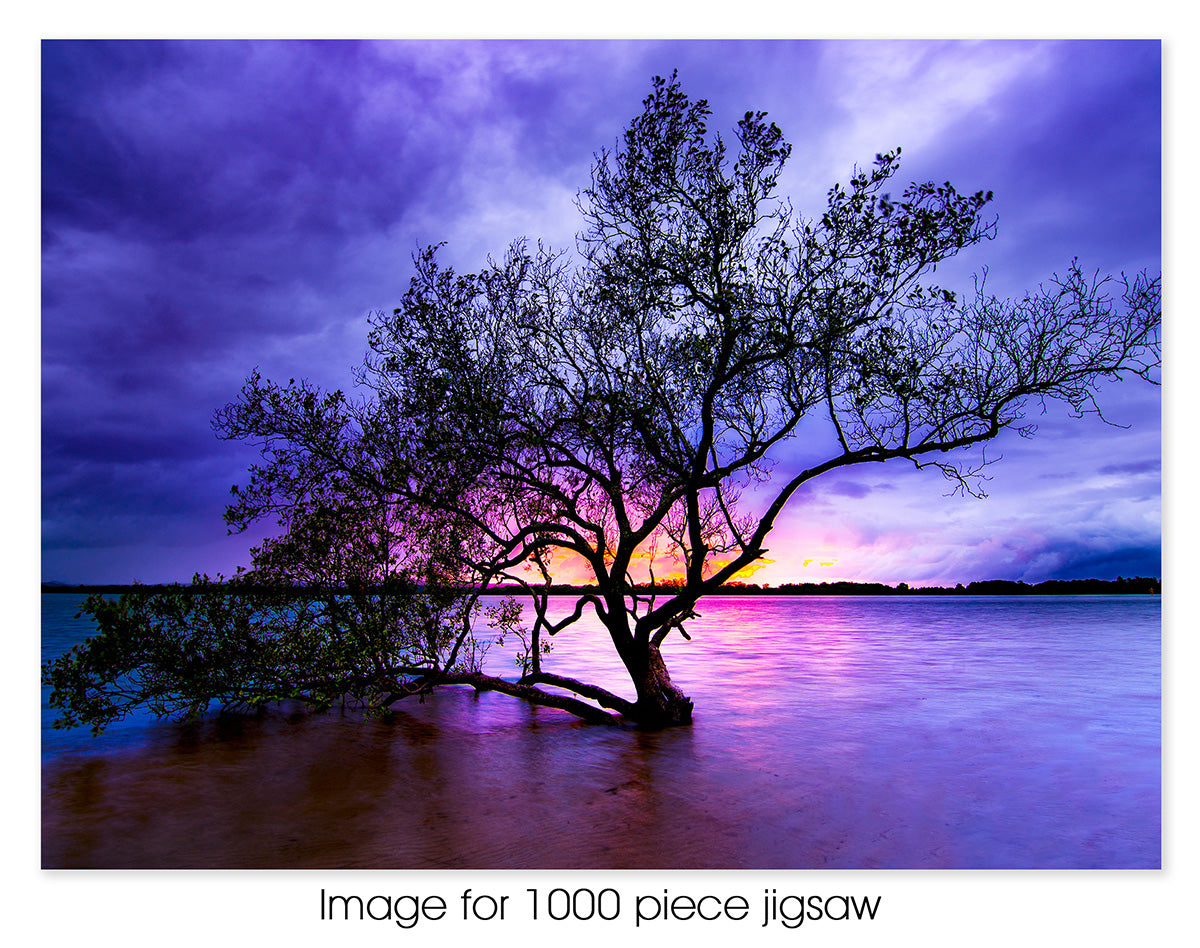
x=589 y=454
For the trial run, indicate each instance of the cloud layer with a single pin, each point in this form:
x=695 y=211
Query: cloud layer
x=209 y=207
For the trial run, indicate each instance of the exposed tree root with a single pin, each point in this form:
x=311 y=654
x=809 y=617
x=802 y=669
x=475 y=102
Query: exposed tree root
x=581 y=709
x=606 y=699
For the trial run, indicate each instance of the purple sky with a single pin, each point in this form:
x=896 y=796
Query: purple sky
x=211 y=207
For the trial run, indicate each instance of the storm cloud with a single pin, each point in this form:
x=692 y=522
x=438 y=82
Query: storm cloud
x=210 y=207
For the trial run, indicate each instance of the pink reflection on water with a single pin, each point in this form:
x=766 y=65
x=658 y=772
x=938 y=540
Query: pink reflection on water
x=829 y=732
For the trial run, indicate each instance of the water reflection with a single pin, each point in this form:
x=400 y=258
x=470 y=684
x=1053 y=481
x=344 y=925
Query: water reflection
x=829 y=732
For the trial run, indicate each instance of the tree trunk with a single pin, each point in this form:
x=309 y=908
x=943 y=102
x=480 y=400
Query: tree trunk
x=659 y=702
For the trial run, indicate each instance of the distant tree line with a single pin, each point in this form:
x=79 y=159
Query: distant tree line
x=1140 y=585
x=1134 y=585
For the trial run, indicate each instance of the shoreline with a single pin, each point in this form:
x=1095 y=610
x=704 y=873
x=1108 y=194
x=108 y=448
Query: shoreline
x=1134 y=586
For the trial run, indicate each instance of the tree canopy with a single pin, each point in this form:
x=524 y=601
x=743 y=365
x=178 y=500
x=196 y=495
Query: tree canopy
x=615 y=406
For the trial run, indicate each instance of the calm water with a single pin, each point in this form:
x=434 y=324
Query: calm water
x=964 y=732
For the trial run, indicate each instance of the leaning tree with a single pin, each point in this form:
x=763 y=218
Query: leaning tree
x=622 y=408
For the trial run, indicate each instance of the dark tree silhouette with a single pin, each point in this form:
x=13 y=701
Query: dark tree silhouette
x=613 y=407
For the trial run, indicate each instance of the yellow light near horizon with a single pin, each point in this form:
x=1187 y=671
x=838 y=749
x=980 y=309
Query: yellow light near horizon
x=748 y=571
x=571 y=570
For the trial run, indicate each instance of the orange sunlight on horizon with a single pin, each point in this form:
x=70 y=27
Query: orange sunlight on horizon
x=816 y=565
